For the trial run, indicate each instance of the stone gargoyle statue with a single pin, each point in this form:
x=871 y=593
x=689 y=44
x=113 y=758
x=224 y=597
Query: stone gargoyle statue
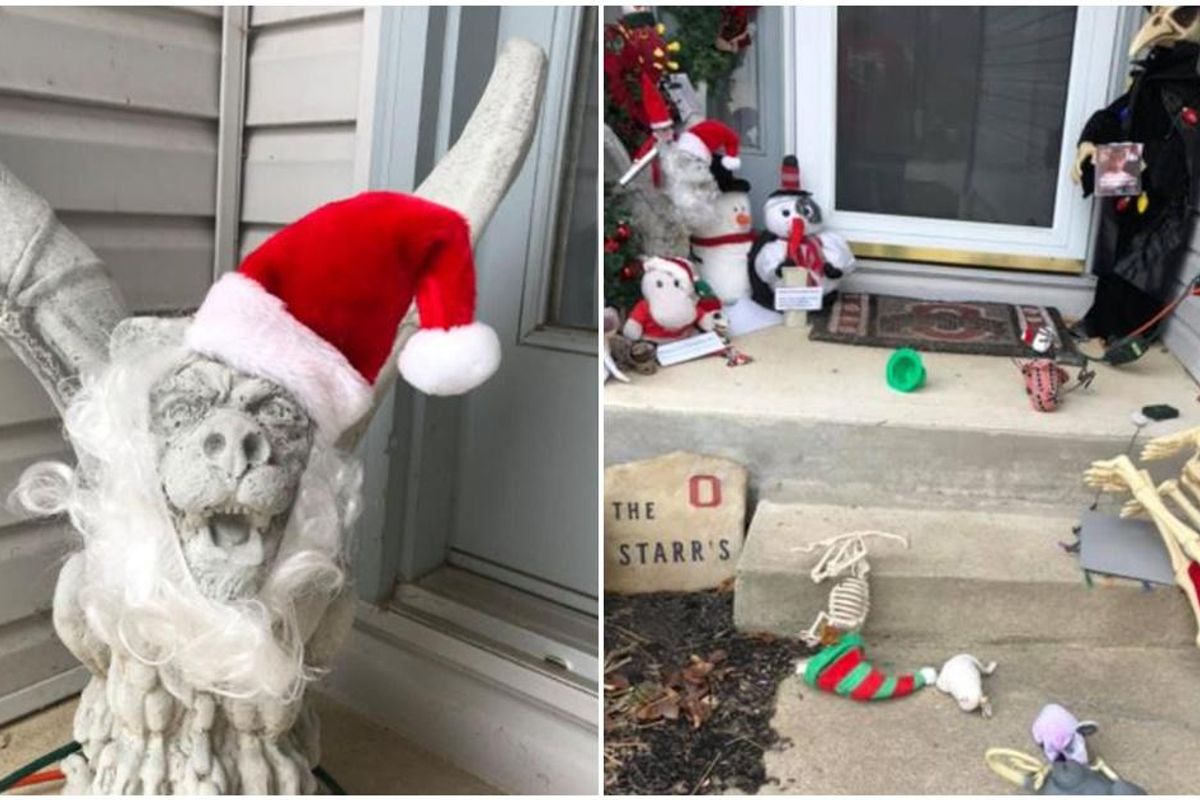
x=214 y=484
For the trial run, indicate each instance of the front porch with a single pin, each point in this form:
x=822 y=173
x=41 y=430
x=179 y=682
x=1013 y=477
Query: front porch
x=985 y=488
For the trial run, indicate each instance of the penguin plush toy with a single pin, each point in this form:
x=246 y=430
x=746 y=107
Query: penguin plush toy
x=794 y=236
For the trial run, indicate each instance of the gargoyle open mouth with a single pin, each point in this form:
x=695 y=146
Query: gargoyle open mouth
x=227 y=547
x=236 y=529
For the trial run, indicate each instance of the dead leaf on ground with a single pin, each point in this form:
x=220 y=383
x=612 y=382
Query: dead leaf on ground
x=664 y=707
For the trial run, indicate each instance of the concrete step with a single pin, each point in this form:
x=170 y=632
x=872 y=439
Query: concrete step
x=968 y=577
x=816 y=422
x=1143 y=699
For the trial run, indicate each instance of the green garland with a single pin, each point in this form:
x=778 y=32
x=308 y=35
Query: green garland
x=622 y=248
x=696 y=29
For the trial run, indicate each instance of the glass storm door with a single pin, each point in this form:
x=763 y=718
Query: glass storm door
x=945 y=134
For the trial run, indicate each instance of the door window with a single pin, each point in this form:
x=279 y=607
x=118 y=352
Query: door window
x=946 y=133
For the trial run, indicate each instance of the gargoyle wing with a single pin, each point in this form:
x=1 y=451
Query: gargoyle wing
x=58 y=304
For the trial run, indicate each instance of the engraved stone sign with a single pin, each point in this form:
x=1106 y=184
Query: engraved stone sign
x=673 y=523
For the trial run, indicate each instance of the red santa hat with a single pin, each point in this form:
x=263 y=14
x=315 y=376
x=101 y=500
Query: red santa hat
x=654 y=105
x=708 y=137
x=675 y=267
x=317 y=307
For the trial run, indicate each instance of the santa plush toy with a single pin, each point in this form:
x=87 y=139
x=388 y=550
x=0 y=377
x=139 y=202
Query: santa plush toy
x=720 y=246
x=316 y=308
x=671 y=307
x=794 y=236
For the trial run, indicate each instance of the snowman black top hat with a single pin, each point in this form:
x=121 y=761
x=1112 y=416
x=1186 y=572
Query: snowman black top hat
x=726 y=180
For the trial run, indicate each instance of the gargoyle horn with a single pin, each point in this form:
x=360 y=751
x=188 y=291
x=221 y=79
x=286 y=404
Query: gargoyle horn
x=477 y=171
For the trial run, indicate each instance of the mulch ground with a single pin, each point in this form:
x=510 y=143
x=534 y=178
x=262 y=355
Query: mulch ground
x=688 y=700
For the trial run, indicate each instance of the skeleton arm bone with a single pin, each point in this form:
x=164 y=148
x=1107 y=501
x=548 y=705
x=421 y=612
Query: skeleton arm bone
x=58 y=305
x=1120 y=474
x=1161 y=447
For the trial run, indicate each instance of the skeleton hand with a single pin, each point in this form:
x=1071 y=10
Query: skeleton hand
x=1161 y=447
x=1114 y=475
x=1086 y=151
x=1134 y=508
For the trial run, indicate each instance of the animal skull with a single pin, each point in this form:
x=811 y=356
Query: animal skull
x=1166 y=27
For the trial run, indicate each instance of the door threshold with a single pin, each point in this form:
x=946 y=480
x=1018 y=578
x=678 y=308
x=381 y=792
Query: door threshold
x=554 y=640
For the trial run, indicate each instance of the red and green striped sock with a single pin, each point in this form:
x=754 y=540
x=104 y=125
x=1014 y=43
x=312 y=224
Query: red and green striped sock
x=842 y=669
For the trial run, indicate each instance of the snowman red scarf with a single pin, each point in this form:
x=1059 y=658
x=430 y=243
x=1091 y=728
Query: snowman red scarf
x=805 y=252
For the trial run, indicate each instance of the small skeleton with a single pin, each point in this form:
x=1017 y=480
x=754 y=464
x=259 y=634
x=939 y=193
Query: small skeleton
x=1180 y=538
x=845 y=558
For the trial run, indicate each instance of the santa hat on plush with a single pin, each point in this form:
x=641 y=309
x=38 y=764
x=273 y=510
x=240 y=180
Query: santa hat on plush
x=682 y=269
x=655 y=108
x=654 y=105
x=317 y=307
x=708 y=137
x=679 y=268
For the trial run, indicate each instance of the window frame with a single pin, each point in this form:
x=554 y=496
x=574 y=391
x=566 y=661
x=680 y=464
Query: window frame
x=1063 y=247
x=553 y=183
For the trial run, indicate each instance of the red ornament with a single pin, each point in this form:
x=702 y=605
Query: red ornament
x=622 y=232
x=630 y=271
x=1189 y=116
x=1123 y=203
x=611 y=245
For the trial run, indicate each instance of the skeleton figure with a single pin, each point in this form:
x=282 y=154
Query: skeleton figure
x=1167 y=26
x=845 y=559
x=1180 y=538
x=211 y=586
x=1140 y=246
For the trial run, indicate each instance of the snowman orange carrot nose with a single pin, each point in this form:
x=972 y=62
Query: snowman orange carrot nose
x=742 y=218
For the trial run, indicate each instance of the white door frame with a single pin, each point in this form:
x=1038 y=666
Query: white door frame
x=815 y=34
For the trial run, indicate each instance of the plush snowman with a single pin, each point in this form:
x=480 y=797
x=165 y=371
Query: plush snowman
x=720 y=247
x=794 y=236
x=671 y=308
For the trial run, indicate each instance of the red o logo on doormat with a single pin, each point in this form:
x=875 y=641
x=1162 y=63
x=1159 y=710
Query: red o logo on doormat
x=704 y=486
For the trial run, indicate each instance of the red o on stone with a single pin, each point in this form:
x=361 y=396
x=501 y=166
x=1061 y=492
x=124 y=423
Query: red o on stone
x=704 y=491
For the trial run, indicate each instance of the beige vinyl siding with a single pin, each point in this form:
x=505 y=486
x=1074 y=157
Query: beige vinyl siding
x=111 y=114
x=302 y=98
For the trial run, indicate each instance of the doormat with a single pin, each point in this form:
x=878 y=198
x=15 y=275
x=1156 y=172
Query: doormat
x=988 y=329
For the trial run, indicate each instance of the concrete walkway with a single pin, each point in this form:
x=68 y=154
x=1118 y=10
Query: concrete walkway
x=365 y=758
x=1145 y=701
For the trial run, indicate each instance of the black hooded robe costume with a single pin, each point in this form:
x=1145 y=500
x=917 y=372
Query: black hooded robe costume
x=1137 y=256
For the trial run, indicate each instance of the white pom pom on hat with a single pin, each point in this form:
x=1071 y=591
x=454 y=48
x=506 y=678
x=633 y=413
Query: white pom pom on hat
x=708 y=137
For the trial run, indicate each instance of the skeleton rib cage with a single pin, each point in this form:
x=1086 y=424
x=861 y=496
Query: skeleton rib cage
x=845 y=557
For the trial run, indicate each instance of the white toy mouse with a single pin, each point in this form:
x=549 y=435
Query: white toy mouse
x=962 y=678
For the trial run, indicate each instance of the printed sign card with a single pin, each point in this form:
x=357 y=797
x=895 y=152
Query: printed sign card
x=1118 y=169
x=693 y=347
x=673 y=523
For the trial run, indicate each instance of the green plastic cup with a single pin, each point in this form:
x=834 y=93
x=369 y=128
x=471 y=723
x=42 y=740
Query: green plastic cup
x=905 y=371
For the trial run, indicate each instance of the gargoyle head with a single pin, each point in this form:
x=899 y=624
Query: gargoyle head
x=214 y=518
x=230 y=450
x=1166 y=27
